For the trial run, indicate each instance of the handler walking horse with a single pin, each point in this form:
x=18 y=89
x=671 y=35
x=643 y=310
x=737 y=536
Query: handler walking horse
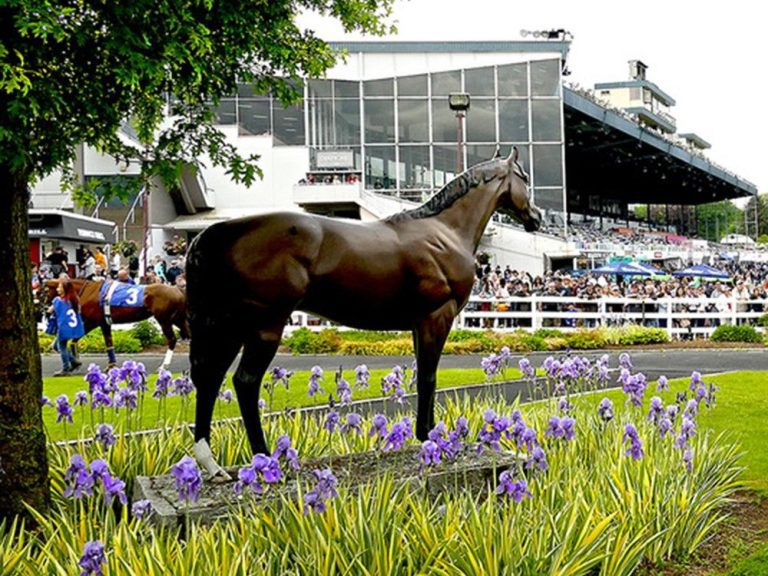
x=167 y=304
x=411 y=271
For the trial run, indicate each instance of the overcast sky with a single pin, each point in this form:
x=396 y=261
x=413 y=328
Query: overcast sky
x=707 y=55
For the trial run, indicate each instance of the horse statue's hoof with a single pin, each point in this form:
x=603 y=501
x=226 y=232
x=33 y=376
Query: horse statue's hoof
x=204 y=457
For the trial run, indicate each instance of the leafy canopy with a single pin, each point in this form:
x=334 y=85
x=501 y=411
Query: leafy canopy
x=76 y=71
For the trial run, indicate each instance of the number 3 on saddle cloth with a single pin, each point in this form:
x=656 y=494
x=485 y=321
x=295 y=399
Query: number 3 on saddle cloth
x=120 y=295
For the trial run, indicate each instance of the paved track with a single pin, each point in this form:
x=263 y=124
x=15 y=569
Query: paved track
x=653 y=363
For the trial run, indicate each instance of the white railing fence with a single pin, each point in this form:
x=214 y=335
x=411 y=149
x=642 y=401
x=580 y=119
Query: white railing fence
x=680 y=317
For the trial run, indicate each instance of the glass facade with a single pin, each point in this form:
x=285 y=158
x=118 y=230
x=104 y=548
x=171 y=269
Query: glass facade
x=405 y=136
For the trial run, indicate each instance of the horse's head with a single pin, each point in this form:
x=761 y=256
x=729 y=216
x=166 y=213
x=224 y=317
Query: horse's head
x=515 y=200
x=47 y=292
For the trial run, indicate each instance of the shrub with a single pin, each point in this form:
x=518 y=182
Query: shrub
x=372 y=336
x=476 y=346
x=521 y=341
x=123 y=340
x=633 y=335
x=304 y=341
x=763 y=321
x=728 y=333
x=559 y=343
x=148 y=333
x=402 y=347
x=548 y=333
x=586 y=340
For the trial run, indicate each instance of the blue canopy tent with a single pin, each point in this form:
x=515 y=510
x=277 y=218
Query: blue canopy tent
x=702 y=271
x=625 y=269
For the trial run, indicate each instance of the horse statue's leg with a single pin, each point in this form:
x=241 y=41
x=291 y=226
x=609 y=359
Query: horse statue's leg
x=258 y=352
x=106 y=332
x=211 y=352
x=429 y=336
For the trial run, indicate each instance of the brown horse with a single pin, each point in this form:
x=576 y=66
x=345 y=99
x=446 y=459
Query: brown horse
x=167 y=304
x=411 y=271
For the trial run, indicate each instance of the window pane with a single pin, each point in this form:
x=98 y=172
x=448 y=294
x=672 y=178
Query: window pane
x=481 y=121
x=445 y=164
x=320 y=88
x=412 y=85
x=513 y=120
x=414 y=171
x=380 y=167
x=546 y=120
x=549 y=199
x=413 y=120
x=477 y=154
x=289 y=126
x=513 y=80
x=347 y=121
x=379 y=121
x=547 y=165
x=346 y=89
x=443 y=122
x=443 y=83
x=545 y=78
x=479 y=81
x=321 y=122
x=254 y=117
x=379 y=87
x=225 y=112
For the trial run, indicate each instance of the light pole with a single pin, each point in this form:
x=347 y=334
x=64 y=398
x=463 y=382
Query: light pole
x=459 y=103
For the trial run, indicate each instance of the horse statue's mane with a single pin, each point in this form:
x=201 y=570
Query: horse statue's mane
x=451 y=192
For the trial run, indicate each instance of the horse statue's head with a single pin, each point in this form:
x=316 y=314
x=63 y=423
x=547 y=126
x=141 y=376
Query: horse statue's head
x=515 y=201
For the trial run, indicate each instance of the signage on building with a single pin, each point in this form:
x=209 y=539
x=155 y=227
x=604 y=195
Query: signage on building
x=38 y=232
x=340 y=159
x=91 y=234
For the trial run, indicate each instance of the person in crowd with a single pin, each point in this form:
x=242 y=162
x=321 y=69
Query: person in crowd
x=89 y=264
x=114 y=263
x=36 y=280
x=133 y=266
x=124 y=276
x=58 y=261
x=181 y=281
x=159 y=267
x=69 y=324
x=173 y=271
x=100 y=258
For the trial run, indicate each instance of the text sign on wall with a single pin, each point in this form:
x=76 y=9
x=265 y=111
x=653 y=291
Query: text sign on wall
x=334 y=159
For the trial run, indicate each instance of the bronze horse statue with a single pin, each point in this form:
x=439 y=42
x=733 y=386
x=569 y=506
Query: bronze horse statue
x=411 y=271
x=167 y=304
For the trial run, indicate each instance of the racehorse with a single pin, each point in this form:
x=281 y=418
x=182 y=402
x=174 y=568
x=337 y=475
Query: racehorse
x=167 y=304
x=411 y=271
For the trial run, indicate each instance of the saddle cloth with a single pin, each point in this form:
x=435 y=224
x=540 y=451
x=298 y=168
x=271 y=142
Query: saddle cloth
x=121 y=295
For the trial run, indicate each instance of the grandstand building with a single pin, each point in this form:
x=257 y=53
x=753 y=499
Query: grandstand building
x=378 y=135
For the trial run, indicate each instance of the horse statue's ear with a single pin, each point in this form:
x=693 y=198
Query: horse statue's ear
x=512 y=155
x=497 y=153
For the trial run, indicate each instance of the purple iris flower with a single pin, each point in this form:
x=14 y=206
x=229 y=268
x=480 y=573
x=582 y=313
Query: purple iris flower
x=696 y=380
x=332 y=421
x=564 y=406
x=92 y=559
x=691 y=409
x=687 y=431
x=493 y=428
x=63 y=409
x=45 y=401
x=517 y=491
x=135 y=375
x=268 y=467
x=635 y=444
x=325 y=489
x=362 y=374
x=527 y=368
x=657 y=411
x=491 y=365
x=537 y=460
x=353 y=424
x=399 y=435
x=315 y=377
x=672 y=411
x=247 y=478
x=625 y=361
x=141 y=509
x=688 y=458
x=662 y=384
x=226 y=396
x=429 y=454
x=114 y=488
x=126 y=398
x=189 y=480
x=664 y=426
x=81 y=398
x=96 y=379
x=163 y=384
x=100 y=399
x=105 y=436
x=78 y=479
x=280 y=375
x=605 y=410
x=568 y=425
x=182 y=386
x=285 y=451
x=343 y=391
x=379 y=427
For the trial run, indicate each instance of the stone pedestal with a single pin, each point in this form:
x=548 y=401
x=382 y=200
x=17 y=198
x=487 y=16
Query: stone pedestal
x=471 y=471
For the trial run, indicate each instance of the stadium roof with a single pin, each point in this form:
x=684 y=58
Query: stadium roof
x=609 y=154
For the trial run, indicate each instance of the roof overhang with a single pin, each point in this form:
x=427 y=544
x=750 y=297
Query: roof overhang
x=63 y=225
x=610 y=155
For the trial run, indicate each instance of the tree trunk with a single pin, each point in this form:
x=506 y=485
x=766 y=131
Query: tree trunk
x=23 y=458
